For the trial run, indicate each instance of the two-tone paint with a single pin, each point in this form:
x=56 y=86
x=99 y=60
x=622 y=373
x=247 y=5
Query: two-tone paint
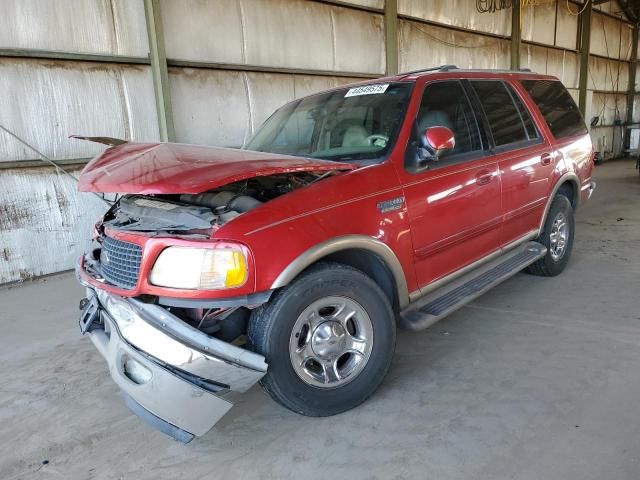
x=424 y=226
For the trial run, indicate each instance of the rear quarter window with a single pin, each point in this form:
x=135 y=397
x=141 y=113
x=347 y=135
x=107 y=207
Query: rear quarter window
x=559 y=110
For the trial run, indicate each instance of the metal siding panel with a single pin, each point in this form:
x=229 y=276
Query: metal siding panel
x=224 y=108
x=423 y=46
x=203 y=30
x=538 y=23
x=210 y=107
x=609 y=107
x=359 y=41
x=111 y=27
x=567 y=30
x=289 y=33
x=610 y=38
x=609 y=75
x=561 y=64
x=460 y=13
x=50 y=100
x=366 y=3
x=45 y=223
x=636 y=109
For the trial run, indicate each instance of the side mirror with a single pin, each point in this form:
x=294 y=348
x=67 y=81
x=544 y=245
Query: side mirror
x=438 y=141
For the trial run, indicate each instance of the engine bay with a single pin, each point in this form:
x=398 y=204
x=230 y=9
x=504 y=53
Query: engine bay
x=200 y=214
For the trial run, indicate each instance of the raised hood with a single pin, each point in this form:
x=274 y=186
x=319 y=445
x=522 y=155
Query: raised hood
x=148 y=168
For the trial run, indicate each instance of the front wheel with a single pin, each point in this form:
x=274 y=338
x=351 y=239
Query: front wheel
x=328 y=339
x=557 y=236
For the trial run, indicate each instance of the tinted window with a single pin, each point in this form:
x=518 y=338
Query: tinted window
x=504 y=118
x=445 y=104
x=557 y=107
x=529 y=126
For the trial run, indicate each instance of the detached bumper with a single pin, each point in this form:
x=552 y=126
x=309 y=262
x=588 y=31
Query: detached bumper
x=172 y=375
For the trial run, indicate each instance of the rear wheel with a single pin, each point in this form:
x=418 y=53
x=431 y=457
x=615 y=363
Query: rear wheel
x=557 y=236
x=328 y=338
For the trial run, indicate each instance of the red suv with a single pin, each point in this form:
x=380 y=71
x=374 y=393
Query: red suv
x=292 y=261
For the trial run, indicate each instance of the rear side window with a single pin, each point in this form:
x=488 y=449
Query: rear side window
x=557 y=107
x=504 y=117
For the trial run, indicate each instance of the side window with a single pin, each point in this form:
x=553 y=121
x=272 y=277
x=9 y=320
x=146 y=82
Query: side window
x=445 y=104
x=505 y=120
x=557 y=107
x=530 y=127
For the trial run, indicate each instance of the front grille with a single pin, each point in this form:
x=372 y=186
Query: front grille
x=120 y=262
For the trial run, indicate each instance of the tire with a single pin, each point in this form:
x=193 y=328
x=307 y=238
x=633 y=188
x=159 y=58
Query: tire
x=551 y=265
x=304 y=386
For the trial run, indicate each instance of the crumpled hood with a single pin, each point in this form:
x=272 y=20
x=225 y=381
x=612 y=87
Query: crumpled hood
x=169 y=168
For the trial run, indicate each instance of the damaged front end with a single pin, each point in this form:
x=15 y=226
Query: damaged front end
x=172 y=375
x=167 y=301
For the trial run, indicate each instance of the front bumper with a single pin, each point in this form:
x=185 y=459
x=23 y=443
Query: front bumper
x=172 y=375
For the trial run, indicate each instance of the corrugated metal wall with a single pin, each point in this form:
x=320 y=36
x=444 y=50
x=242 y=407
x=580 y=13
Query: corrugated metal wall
x=231 y=63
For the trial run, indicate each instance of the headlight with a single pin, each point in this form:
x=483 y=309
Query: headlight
x=199 y=268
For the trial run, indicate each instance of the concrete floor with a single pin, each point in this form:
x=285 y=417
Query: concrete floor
x=538 y=379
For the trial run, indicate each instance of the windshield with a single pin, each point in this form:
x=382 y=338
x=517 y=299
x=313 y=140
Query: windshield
x=348 y=124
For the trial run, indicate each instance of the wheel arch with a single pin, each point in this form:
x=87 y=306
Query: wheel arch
x=569 y=183
x=367 y=254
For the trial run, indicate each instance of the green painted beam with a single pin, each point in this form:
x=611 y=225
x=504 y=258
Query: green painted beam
x=159 y=70
x=516 y=33
x=391 y=35
x=584 y=29
x=632 y=74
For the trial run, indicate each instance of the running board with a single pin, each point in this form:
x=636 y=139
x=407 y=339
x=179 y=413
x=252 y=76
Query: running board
x=434 y=306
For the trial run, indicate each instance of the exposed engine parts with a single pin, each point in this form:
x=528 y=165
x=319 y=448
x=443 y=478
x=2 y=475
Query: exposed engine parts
x=199 y=213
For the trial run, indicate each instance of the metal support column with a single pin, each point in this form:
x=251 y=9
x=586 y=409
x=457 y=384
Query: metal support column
x=159 y=70
x=584 y=27
x=391 y=35
x=632 y=75
x=516 y=34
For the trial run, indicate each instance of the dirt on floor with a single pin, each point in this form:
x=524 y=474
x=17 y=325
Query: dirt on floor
x=538 y=379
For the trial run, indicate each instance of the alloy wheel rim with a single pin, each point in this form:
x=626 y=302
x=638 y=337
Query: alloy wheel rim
x=558 y=237
x=331 y=342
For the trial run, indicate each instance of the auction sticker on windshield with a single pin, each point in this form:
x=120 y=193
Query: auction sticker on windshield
x=367 y=90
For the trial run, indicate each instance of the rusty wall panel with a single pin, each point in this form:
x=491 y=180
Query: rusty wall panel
x=50 y=100
x=223 y=108
x=44 y=223
x=423 y=46
x=275 y=33
x=460 y=13
x=107 y=27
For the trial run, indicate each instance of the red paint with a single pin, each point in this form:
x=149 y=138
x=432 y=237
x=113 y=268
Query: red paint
x=451 y=216
x=440 y=138
x=148 y=168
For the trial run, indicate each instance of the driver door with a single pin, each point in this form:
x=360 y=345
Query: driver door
x=454 y=204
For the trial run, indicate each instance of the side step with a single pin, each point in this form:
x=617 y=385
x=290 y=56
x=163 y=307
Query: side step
x=436 y=305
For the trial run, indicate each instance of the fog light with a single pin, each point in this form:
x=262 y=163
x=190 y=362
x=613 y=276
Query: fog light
x=135 y=371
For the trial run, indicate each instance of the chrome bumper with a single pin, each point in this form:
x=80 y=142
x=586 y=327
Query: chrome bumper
x=172 y=374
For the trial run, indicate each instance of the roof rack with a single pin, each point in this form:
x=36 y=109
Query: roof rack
x=441 y=68
x=447 y=68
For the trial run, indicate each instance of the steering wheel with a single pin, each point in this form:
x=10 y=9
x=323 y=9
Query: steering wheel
x=371 y=139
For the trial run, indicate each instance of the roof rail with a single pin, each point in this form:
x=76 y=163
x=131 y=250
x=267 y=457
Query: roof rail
x=441 y=68
x=447 y=68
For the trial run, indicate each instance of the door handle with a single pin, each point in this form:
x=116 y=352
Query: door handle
x=484 y=177
x=546 y=158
